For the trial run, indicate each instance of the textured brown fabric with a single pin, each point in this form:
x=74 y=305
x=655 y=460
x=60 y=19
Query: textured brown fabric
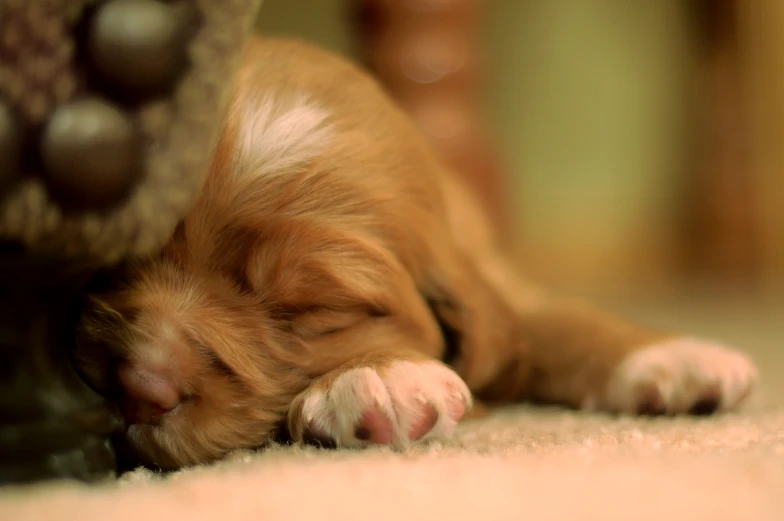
x=39 y=70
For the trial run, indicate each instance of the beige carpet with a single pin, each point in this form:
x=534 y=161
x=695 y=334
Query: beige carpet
x=522 y=463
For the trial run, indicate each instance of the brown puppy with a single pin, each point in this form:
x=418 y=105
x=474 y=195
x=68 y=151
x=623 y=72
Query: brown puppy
x=329 y=269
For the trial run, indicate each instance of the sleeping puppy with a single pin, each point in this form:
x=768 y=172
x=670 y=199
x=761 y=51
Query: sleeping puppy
x=334 y=278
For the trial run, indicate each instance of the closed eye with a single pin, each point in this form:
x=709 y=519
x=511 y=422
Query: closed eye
x=220 y=367
x=325 y=321
x=215 y=361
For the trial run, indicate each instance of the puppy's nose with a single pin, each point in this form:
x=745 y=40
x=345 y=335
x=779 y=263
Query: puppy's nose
x=148 y=394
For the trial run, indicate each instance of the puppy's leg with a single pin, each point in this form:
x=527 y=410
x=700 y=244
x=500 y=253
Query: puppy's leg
x=590 y=359
x=383 y=398
x=518 y=343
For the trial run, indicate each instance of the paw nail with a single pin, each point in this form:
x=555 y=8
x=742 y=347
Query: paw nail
x=375 y=427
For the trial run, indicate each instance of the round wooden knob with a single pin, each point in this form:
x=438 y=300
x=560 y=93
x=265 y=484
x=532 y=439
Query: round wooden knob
x=138 y=44
x=91 y=155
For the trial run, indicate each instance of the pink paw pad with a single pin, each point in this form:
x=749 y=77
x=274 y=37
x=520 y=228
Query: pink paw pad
x=424 y=423
x=405 y=403
x=375 y=427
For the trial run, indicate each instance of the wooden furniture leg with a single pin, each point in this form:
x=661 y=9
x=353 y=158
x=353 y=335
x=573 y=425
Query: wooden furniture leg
x=761 y=37
x=721 y=239
x=426 y=53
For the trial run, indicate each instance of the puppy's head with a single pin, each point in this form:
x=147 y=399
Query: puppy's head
x=205 y=352
x=197 y=365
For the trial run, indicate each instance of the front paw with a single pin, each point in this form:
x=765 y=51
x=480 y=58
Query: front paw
x=390 y=405
x=682 y=375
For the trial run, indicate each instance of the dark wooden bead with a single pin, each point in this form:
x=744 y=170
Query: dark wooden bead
x=91 y=155
x=138 y=44
x=10 y=149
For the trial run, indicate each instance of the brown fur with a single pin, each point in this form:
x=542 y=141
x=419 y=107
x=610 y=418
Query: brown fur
x=361 y=253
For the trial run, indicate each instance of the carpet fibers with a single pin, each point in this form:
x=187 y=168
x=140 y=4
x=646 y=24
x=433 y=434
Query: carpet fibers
x=520 y=463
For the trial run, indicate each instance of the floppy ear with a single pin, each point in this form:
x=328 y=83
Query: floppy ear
x=327 y=277
x=307 y=265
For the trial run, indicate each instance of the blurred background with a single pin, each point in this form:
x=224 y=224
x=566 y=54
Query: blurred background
x=626 y=149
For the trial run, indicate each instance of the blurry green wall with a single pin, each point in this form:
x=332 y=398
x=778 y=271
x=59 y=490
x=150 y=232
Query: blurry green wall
x=324 y=22
x=586 y=98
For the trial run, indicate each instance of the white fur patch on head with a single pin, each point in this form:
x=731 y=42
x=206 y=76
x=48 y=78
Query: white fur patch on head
x=278 y=133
